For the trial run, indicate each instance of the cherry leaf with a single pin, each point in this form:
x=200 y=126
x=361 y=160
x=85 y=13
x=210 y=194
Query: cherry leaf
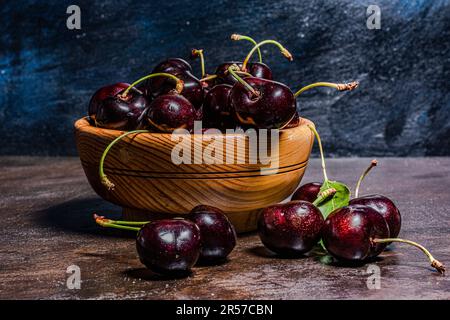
x=339 y=200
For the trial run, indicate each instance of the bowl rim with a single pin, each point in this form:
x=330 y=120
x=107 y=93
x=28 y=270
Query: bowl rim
x=83 y=124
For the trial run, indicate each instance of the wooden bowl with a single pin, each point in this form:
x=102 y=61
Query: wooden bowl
x=149 y=185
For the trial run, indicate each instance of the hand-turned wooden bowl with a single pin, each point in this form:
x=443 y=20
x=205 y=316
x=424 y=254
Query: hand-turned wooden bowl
x=149 y=185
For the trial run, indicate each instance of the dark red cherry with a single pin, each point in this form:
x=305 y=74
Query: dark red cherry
x=118 y=112
x=192 y=89
x=105 y=92
x=386 y=208
x=272 y=108
x=256 y=69
x=292 y=228
x=216 y=108
x=171 y=111
x=169 y=247
x=348 y=233
x=307 y=192
x=173 y=65
x=260 y=70
x=217 y=234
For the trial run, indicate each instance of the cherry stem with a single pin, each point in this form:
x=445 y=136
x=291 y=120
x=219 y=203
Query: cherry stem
x=207 y=78
x=199 y=53
x=373 y=163
x=321 y=151
x=238 y=37
x=283 y=50
x=324 y=195
x=178 y=87
x=242 y=73
x=102 y=221
x=439 y=266
x=231 y=69
x=338 y=86
x=103 y=178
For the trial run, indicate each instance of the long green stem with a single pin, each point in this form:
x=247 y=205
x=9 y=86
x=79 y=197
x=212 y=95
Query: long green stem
x=231 y=70
x=242 y=73
x=199 y=53
x=439 y=266
x=118 y=226
x=321 y=151
x=324 y=195
x=283 y=50
x=178 y=87
x=102 y=220
x=373 y=163
x=207 y=78
x=103 y=178
x=338 y=86
x=238 y=37
x=129 y=223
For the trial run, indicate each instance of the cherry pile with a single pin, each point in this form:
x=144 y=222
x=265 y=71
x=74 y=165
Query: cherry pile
x=352 y=231
x=173 y=246
x=237 y=94
x=241 y=94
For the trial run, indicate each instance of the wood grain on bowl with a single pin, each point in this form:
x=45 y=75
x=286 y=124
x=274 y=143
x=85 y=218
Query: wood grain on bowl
x=148 y=182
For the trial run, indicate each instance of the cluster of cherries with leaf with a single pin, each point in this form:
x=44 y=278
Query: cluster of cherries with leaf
x=319 y=215
x=238 y=94
x=353 y=231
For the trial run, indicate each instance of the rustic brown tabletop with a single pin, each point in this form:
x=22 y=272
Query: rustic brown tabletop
x=46 y=226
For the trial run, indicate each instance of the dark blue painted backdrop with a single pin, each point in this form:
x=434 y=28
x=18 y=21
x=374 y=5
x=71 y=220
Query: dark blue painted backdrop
x=47 y=73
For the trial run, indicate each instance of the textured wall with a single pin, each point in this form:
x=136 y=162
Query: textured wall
x=47 y=73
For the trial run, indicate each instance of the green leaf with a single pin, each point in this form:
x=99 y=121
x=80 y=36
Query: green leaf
x=339 y=200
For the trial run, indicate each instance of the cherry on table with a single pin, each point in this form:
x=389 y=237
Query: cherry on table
x=380 y=203
x=169 y=246
x=357 y=233
x=307 y=192
x=385 y=207
x=290 y=229
x=217 y=234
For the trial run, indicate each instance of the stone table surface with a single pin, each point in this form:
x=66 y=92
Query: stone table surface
x=46 y=206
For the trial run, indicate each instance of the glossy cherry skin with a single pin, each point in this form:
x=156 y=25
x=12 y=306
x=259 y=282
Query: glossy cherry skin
x=173 y=65
x=192 y=88
x=119 y=113
x=272 y=109
x=386 y=208
x=295 y=122
x=217 y=234
x=290 y=229
x=348 y=233
x=105 y=92
x=256 y=69
x=171 y=111
x=170 y=247
x=307 y=192
x=216 y=108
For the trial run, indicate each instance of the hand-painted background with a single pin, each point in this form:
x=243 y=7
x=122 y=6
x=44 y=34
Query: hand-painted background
x=402 y=107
